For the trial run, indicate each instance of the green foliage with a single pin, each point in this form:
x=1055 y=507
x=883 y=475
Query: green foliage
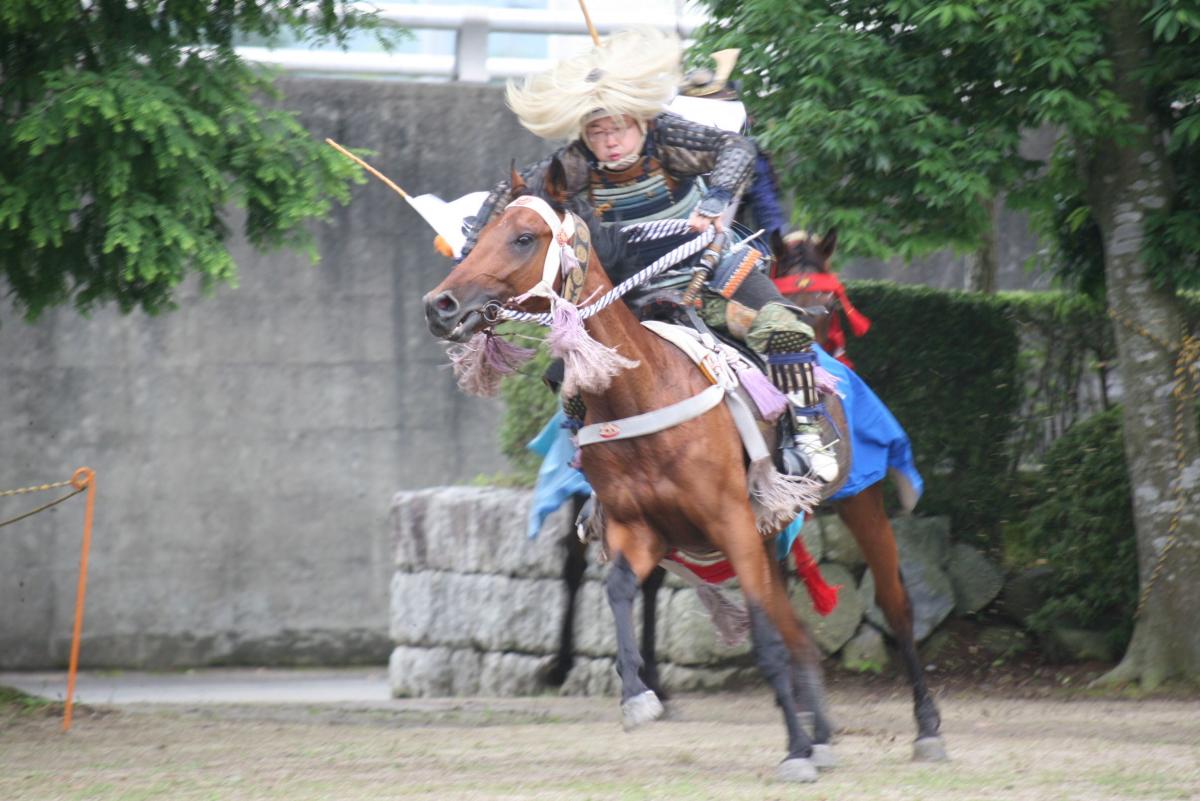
x=1082 y=527
x=899 y=121
x=128 y=129
x=528 y=404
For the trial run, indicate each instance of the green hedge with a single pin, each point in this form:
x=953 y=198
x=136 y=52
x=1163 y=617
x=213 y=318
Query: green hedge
x=982 y=384
x=946 y=364
x=1081 y=525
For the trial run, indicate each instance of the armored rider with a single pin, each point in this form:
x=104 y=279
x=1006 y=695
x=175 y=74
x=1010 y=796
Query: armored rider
x=633 y=162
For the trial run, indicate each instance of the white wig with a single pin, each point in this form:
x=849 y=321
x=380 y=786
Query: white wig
x=634 y=72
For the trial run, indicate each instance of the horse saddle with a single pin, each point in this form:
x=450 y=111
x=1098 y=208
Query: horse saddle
x=721 y=359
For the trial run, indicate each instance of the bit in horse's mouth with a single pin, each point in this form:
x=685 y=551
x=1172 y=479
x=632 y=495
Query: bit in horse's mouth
x=468 y=324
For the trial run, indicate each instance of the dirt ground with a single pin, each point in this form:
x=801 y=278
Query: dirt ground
x=1016 y=737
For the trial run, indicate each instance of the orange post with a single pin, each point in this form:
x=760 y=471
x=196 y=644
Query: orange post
x=84 y=477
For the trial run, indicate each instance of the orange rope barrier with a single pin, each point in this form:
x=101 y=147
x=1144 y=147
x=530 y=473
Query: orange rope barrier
x=84 y=478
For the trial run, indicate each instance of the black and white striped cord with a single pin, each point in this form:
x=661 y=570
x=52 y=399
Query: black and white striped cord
x=641 y=232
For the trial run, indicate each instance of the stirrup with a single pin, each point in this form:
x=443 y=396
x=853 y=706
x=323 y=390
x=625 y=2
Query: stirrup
x=819 y=459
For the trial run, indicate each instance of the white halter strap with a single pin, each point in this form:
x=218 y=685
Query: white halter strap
x=562 y=233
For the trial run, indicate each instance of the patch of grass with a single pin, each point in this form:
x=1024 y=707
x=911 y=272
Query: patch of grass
x=13 y=700
x=1141 y=785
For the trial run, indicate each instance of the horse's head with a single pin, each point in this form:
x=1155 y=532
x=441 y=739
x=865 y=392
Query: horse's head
x=801 y=252
x=511 y=256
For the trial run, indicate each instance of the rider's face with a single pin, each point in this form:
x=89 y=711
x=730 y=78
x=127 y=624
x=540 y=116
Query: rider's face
x=613 y=139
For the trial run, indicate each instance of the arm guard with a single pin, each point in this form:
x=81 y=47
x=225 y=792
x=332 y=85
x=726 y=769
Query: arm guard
x=689 y=148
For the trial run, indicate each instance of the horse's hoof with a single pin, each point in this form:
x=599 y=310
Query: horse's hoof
x=640 y=709
x=930 y=749
x=799 y=770
x=823 y=756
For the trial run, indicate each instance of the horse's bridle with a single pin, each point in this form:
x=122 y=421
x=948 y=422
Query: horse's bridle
x=567 y=257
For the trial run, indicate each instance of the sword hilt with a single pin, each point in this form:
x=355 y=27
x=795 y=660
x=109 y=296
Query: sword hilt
x=704 y=268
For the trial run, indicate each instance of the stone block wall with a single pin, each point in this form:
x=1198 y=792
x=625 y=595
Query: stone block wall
x=477 y=608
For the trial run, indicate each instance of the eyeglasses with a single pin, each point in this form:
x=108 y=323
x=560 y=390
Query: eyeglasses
x=604 y=134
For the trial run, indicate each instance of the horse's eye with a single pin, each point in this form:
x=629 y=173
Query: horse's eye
x=523 y=240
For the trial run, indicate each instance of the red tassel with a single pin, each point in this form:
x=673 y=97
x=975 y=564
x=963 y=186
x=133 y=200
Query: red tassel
x=824 y=597
x=859 y=323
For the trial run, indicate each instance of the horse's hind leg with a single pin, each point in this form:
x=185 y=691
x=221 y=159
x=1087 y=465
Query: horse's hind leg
x=864 y=515
x=574 y=566
x=650 y=588
x=633 y=560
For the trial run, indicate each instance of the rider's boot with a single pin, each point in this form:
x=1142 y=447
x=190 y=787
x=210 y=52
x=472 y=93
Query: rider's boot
x=803 y=452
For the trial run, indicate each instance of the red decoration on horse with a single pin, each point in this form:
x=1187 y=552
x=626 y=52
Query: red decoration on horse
x=802 y=273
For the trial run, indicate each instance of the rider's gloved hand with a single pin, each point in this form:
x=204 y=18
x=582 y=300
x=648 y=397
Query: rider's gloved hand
x=699 y=222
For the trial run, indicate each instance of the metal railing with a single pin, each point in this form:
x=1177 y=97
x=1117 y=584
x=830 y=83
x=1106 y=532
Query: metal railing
x=472 y=24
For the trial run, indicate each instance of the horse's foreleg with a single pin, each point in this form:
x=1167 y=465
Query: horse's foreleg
x=633 y=560
x=867 y=520
x=650 y=588
x=779 y=641
x=574 y=566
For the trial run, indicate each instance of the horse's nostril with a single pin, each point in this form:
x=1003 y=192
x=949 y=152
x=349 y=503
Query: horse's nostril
x=445 y=303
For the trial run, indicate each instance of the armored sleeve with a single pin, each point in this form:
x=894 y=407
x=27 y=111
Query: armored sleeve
x=534 y=176
x=689 y=148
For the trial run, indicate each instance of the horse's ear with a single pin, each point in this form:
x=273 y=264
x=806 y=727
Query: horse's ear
x=828 y=243
x=515 y=182
x=778 y=246
x=556 y=182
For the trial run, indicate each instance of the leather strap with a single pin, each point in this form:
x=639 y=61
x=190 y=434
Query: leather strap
x=652 y=422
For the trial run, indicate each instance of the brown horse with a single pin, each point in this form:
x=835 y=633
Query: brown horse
x=863 y=514
x=684 y=487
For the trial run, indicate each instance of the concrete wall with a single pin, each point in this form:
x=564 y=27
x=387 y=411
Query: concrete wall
x=247 y=445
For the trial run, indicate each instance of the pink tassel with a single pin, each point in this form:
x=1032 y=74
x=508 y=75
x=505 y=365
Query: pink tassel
x=731 y=619
x=827 y=382
x=766 y=396
x=776 y=498
x=480 y=363
x=505 y=357
x=589 y=365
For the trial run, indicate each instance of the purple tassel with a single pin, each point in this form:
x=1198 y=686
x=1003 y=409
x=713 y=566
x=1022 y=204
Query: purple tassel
x=827 y=382
x=505 y=357
x=480 y=363
x=766 y=396
x=589 y=365
x=731 y=619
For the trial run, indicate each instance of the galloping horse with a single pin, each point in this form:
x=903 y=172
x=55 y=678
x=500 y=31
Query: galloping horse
x=860 y=507
x=684 y=487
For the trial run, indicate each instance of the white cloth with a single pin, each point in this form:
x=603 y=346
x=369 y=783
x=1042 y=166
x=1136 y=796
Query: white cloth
x=447 y=218
x=728 y=115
